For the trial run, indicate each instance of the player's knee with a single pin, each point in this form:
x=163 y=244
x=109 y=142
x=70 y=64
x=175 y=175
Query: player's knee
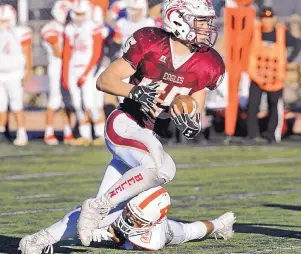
x=166 y=169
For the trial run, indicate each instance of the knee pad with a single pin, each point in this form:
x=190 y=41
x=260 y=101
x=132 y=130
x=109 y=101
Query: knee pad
x=95 y=114
x=80 y=114
x=165 y=170
x=55 y=101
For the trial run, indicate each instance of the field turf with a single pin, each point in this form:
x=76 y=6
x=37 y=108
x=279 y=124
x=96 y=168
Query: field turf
x=261 y=185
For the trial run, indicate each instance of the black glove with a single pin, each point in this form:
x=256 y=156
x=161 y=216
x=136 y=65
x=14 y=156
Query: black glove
x=145 y=95
x=189 y=125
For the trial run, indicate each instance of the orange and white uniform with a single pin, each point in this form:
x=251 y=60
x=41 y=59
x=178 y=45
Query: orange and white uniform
x=12 y=65
x=81 y=52
x=52 y=33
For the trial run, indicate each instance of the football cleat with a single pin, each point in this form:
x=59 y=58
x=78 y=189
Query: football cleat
x=92 y=212
x=226 y=230
x=21 y=141
x=100 y=141
x=51 y=140
x=38 y=243
x=80 y=142
x=68 y=139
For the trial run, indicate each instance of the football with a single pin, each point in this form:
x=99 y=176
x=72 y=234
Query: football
x=190 y=103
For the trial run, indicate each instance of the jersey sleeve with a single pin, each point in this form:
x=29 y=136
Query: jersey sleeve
x=136 y=47
x=25 y=35
x=49 y=34
x=215 y=72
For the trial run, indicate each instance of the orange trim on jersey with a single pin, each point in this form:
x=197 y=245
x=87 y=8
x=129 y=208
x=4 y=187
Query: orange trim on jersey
x=26 y=42
x=97 y=46
x=48 y=33
x=151 y=197
x=67 y=50
x=52 y=39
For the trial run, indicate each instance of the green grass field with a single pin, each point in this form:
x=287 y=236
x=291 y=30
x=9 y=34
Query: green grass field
x=261 y=185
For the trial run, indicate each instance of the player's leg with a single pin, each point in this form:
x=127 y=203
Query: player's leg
x=276 y=115
x=150 y=165
x=184 y=232
x=91 y=105
x=65 y=228
x=15 y=94
x=54 y=103
x=77 y=101
x=3 y=111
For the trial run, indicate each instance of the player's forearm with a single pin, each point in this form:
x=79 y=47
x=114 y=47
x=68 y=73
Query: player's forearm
x=109 y=83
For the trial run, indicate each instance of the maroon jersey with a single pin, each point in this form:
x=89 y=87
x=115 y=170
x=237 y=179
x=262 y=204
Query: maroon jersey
x=149 y=52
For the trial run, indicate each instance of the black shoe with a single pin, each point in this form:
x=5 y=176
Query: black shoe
x=3 y=138
x=256 y=141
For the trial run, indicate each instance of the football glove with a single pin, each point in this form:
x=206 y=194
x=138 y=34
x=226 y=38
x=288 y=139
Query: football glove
x=190 y=126
x=145 y=95
x=101 y=234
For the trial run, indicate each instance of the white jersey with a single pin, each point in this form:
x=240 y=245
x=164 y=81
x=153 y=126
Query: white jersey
x=11 y=53
x=155 y=239
x=50 y=33
x=124 y=28
x=81 y=41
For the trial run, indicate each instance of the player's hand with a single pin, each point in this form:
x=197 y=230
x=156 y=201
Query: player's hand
x=188 y=124
x=101 y=234
x=81 y=80
x=147 y=96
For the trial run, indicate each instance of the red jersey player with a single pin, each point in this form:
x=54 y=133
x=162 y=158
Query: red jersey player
x=162 y=63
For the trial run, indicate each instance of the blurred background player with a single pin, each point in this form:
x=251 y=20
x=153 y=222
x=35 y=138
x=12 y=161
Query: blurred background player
x=52 y=35
x=267 y=70
x=82 y=49
x=140 y=224
x=15 y=70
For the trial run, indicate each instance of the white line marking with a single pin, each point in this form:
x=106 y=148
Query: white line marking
x=235 y=196
x=268 y=250
x=179 y=166
x=34 y=211
x=35 y=196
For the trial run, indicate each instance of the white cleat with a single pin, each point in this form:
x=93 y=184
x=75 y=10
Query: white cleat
x=38 y=243
x=21 y=141
x=92 y=212
x=226 y=230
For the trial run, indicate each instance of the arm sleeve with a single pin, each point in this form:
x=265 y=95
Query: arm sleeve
x=294 y=42
x=51 y=36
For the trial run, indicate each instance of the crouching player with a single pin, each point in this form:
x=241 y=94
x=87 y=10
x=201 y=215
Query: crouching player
x=141 y=224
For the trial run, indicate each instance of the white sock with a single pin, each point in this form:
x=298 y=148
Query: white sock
x=49 y=131
x=67 y=130
x=85 y=131
x=21 y=133
x=66 y=227
x=2 y=129
x=217 y=225
x=99 y=129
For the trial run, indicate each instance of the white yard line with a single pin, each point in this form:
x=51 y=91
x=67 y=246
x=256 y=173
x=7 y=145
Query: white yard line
x=33 y=211
x=235 y=196
x=35 y=196
x=179 y=166
x=268 y=250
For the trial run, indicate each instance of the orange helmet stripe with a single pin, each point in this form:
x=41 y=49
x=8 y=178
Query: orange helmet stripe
x=151 y=197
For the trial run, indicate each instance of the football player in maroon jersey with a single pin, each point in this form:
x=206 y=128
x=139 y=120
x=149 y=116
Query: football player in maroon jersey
x=161 y=63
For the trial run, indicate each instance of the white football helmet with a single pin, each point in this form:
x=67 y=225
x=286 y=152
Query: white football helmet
x=190 y=21
x=8 y=16
x=143 y=212
x=136 y=10
x=81 y=11
x=60 y=10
